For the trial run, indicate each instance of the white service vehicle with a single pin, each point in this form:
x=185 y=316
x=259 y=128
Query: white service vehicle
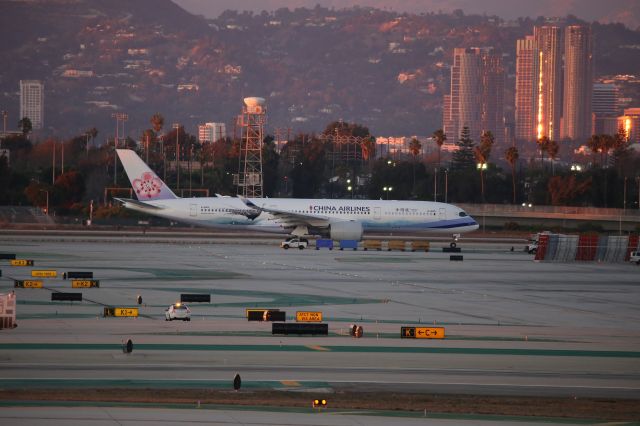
x=635 y=257
x=177 y=311
x=532 y=247
x=294 y=242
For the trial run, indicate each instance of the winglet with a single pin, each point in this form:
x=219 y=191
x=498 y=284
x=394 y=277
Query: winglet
x=146 y=184
x=249 y=203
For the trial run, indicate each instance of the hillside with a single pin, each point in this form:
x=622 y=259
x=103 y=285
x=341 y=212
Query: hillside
x=384 y=70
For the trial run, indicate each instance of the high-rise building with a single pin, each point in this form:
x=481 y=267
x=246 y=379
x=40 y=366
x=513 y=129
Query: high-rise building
x=32 y=102
x=630 y=123
x=211 y=132
x=548 y=40
x=578 y=83
x=492 y=114
x=605 y=108
x=527 y=77
x=477 y=94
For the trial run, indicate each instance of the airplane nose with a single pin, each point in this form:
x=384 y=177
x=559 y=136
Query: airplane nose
x=475 y=225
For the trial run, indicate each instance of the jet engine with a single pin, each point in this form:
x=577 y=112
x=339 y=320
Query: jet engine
x=345 y=230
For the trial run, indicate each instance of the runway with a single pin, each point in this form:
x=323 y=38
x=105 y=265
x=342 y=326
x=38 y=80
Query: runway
x=513 y=326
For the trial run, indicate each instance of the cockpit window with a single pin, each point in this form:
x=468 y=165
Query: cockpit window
x=462 y=214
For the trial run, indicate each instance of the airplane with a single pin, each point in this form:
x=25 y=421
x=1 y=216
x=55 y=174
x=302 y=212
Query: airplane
x=344 y=219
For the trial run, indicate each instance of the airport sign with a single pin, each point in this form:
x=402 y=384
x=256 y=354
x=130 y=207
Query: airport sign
x=309 y=316
x=44 y=273
x=248 y=311
x=21 y=262
x=85 y=283
x=126 y=312
x=28 y=284
x=422 y=332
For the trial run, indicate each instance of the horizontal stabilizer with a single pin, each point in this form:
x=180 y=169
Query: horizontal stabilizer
x=131 y=203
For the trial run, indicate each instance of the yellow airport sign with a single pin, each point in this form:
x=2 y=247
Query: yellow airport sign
x=126 y=312
x=247 y=310
x=309 y=316
x=28 y=284
x=429 y=332
x=422 y=332
x=44 y=273
x=21 y=262
x=85 y=283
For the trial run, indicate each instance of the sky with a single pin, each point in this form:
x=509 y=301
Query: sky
x=625 y=11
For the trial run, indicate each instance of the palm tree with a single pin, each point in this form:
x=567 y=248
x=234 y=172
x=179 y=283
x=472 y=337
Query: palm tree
x=148 y=136
x=482 y=153
x=512 y=155
x=543 y=146
x=552 y=150
x=594 y=145
x=93 y=133
x=25 y=125
x=440 y=137
x=157 y=121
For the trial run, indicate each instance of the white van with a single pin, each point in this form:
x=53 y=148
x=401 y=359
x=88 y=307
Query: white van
x=635 y=257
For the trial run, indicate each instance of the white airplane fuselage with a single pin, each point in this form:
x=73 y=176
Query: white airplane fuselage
x=221 y=212
x=337 y=219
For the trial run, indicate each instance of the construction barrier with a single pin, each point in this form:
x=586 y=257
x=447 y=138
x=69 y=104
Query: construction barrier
x=322 y=243
x=396 y=245
x=372 y=245
x=570 y=248
x=420 y=246
x=8 y=310
x=634 y=245
x=348 y=244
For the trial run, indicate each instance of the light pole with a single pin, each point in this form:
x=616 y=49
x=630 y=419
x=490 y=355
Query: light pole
x=435 y=184
x=387 y=189
x=177 y=127
x=119 y=116
x=53 y=163
x=4 y=126
x=624 y=198
x=46 y=210
x=638 y=182
x=446 y=184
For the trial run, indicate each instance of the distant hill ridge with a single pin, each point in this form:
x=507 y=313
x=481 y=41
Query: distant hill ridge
x=382 y=69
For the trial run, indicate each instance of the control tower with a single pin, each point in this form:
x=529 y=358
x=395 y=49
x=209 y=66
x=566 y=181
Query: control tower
x=251 y=122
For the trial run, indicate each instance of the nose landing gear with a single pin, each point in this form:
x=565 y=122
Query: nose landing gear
x=453 y=243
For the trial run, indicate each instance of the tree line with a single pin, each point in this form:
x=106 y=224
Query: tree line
x=339 y=162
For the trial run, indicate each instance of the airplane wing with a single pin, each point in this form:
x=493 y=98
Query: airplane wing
x=289 y=219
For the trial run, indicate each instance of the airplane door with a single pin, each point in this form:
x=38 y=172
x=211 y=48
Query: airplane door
x=442 y=214
x=377 y=213
x=193 y=211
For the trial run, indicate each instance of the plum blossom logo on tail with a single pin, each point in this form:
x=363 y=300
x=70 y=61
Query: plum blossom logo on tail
x=148 y=186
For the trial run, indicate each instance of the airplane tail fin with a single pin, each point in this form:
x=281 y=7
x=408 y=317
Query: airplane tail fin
x=146 y=184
